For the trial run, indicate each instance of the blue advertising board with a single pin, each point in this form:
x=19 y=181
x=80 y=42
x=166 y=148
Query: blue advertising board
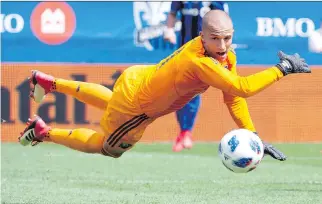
x=131 y=32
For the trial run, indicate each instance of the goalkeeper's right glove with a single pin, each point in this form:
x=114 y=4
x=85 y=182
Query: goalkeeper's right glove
x=272 y=151
x=290 y=64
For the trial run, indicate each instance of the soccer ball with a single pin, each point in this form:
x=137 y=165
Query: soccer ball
x=241 y=150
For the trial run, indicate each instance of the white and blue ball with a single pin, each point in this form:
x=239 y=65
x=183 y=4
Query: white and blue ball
x=241 y=150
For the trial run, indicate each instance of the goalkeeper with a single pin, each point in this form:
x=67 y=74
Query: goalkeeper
x=145 y=92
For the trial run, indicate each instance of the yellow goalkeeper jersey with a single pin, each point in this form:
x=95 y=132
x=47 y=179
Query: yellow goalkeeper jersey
x=170 y=84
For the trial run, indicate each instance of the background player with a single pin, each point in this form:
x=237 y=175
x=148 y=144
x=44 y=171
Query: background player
x=191 y=13
x=138 y=95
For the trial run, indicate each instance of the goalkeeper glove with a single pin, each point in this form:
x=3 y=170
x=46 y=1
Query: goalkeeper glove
x=272 y=151
x=292 y=64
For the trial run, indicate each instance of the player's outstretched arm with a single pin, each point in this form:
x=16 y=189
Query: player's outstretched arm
x=169 y=32
x=238 y=109
x=212 y=73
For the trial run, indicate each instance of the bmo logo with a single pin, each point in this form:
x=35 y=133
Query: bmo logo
x=292 y=27
x=53 y=23
x=11 y=23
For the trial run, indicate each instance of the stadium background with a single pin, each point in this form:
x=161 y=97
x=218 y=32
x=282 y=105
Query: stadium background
x=109 y=36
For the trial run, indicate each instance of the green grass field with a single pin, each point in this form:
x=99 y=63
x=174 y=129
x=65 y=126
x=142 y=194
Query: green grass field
x=151 y=173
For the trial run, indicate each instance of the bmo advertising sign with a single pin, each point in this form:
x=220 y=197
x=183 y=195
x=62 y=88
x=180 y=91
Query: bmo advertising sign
x=11 y=23
x=291 y=27
x=52 y=23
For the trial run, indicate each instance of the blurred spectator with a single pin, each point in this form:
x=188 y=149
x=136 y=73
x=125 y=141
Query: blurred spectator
x=315 y=40
x=191 y=14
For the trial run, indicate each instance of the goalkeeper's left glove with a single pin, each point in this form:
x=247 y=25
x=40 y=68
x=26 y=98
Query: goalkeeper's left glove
x=272 y=151
x=290 y=64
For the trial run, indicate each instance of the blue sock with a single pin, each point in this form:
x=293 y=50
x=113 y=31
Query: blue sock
x=187 y=115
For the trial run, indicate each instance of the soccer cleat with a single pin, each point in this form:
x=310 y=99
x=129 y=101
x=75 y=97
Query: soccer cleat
x=273 y=152
x=184 y=140
x=42 y=85
x=187 y=140
x=34 y=133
